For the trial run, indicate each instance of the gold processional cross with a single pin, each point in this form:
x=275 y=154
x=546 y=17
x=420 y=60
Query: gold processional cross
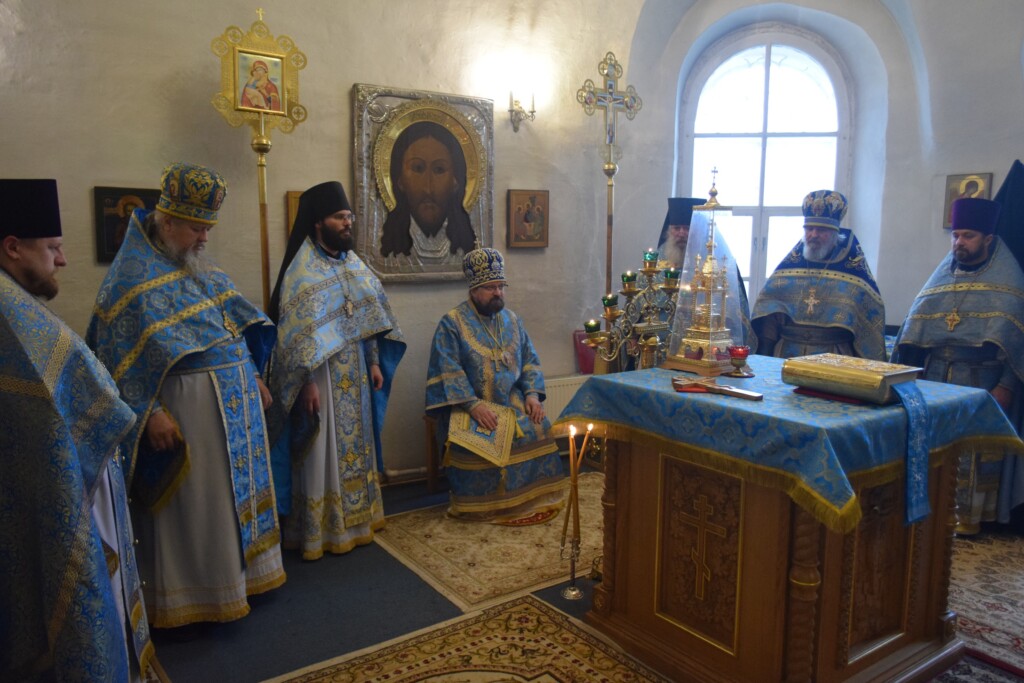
x=612 y=102
x=699 y=554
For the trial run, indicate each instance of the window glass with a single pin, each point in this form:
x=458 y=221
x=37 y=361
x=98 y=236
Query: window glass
x=738 y=161
x=795 y=166
x=800 y=97
x=783 y=234
x=732 y=100
x=737 y=232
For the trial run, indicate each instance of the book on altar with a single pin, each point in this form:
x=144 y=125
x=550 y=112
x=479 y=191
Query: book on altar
x=860 y=378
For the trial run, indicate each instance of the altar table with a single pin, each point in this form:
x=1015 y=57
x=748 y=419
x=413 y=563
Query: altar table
x=765 y=541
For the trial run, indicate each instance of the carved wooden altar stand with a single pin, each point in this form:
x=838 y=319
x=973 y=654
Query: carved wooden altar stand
x=719 y=566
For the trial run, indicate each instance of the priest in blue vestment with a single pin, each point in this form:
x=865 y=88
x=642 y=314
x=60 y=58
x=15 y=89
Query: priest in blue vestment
x=966 y=327
x=186 y=350
x=822 y=297
x=486 y=388
x=71 y=604
x=337 y=351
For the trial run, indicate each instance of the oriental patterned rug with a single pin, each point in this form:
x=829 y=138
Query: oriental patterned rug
x=987 y=592
x=476 y=565
x=521 y=640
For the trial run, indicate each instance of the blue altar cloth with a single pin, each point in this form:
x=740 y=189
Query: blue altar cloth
x=806 y=446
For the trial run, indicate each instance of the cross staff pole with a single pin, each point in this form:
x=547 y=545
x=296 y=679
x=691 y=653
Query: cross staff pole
x=609 y=99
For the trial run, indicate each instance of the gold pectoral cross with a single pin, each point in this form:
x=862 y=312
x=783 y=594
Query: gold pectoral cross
x=952 y=320
x=812 y=300
x=349 y=308
x=229 y=324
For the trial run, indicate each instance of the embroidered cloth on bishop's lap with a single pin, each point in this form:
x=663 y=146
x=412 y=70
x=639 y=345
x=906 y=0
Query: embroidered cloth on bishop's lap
x=152 y=317
x=63 y=423
x=838 y=293
x=334 y=314
x=468 y=362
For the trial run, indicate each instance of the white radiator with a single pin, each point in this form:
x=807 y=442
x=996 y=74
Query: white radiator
x=560 y=391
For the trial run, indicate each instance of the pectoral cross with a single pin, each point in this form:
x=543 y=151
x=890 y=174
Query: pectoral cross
x=699 y=553
x=349 y=308
x=812 y=300
x=952 y=320
x=229 y=324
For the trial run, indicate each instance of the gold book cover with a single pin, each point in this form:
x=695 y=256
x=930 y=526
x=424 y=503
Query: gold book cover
x=860 y=378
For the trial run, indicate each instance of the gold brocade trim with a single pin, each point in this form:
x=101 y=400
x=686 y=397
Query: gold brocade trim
x=59 y=355
x=529 y=493
x=136 y=351
x=268 y=541
x=72 y=572
x=124 y=301
x=274 y=581
x=474 y=463
x=972 y=287
x=21 y=387
x=147 y=660
x=496 y=450
x=444 y=376
x=969 y=314
x=819 y=274
x=166 y=618
x=341 y=548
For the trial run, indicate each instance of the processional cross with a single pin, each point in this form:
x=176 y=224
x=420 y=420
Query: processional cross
x=612 y=102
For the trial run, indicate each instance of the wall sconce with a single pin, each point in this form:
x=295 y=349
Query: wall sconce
x=517 y=113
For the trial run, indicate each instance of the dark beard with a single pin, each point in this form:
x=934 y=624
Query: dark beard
x=335 y=242
x=495 y=305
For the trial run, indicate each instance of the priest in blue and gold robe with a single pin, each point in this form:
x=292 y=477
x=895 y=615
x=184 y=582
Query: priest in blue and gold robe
x=485 y=387
x=966 y=327
x=822 y=298
x=338 y=348
x=186 y=350
x=71 y=604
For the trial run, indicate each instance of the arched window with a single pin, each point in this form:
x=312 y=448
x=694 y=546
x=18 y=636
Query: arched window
x=766 y=107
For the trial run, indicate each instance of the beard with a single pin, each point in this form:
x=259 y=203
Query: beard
x=192 y=260
x=493 y=305
x=44 y=287
x=335 y=241
x=818 y=252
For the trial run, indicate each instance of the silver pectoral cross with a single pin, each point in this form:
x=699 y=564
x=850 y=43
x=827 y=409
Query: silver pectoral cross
x=349 y=308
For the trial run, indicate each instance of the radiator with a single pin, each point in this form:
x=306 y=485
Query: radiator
x=560 y=391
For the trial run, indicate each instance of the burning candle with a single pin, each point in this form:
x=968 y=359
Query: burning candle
x=650 y=257
x=629 y=276
x=592 y=326
x=739 y=351
x=671 y=274
x=610 y=300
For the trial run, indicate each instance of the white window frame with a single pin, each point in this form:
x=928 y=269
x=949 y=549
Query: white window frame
x=713 y=57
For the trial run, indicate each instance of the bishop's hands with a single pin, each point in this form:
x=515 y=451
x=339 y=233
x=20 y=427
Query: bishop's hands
x=484 y=416
x=534 y=409
x=376 y=377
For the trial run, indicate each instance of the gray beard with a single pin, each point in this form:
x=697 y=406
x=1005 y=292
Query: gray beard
x=195 y=263
x=812 y=253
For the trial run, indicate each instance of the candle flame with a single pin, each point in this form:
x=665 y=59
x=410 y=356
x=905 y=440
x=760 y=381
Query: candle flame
x=590 y=426
x=572 y=430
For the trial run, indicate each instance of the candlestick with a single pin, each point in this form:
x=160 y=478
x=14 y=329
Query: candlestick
x=650 y=256
x=671 y=274
x=610 y=300
x=629 y=276
x=592 y=326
